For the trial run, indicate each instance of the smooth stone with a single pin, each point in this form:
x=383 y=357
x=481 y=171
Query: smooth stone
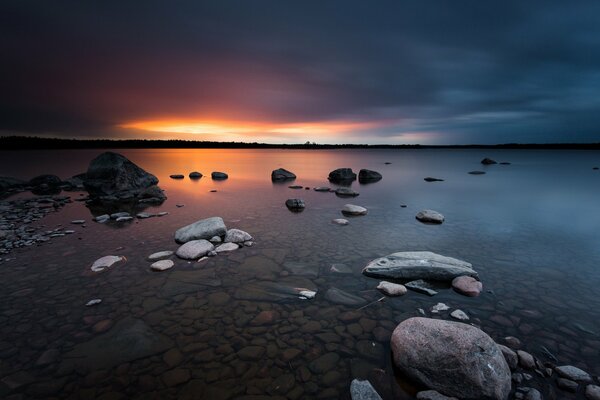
x=160 y=255
x=433 y=395
x=282 y=174
x=176 y=176
x=477 y=173
x=215 y=239
x=339 y=296
x=237 y=236
x=367 y=176
x=533 y=394
x=284 y=289
x=453 y=358
x=102 y=218
x=467 y=286
x=459 y=315
x=342 y=175
x=120 y=215
x=392 y=289
x=251 y=353
x=302 y=269
x=194 y=249
x=351 y=209
x=124 y=219
x=488 y=161
x=340 y=221
x=573 y=373
x=296 y=187
x=430 y=216
x=219 y=175
x=322 y=189
x=162 y=214
x=439 y=307
x=202 y=229
x=567 y=384
x=418 y=265
x=195 y=175
x=592 y=392
x=162 y=265
x=227 y=247
x=105 y=262
x=346 y=192
x=295 y=204
x=176 y=377
x=325 y=363
x=78 y=222
x=421 y=286
x=363 y=390
x=48 y=357
x=93 y=302
x=338 y=268
x=144 y=215
x=526 y=360
x=510 y=356
x=430 y=179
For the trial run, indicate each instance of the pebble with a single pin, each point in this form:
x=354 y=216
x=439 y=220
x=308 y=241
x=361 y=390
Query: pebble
x=160 y=255
x=526 y=360
x=439 y=307
x=459 y=315
x=78 y=221
x=567 y=384
x=227 y=247
x=467 y=286
x=592 y=392
x=573 y=373
x=392 y=289
x=93 y=302
x=162 y=265
x=351 y=209
x=124 y=219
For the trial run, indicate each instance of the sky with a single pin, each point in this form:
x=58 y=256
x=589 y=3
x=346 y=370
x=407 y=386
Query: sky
x=381 y=72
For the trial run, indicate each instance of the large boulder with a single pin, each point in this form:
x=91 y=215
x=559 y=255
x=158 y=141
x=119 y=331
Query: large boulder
x=367 y=176
x=113 y=175
x=281 y=174
x=342 y=175
x=418 y=265
x=202 y=229
x=452 y=358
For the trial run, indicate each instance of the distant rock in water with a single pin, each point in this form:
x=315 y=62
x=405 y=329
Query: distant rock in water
x=345 y=192
x=488 y=161
x=454 y=358
x=504 y=163
x=219 y=175
x=322 y=189
x=296 y=187
x=477 y=173
x=176 y=176
x=595 y=168
x=295 y=204
x=368 y=176
x=351 y=209
x=111 y=176
x=195 y=175
x=342 y=175
x=281 y=174
x=430 y=216
x=430 y=179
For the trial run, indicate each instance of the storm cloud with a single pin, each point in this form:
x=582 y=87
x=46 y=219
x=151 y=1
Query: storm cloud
x=403 y=71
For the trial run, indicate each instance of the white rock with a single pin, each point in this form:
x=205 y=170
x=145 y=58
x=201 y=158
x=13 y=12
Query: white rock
x=106 y=262
x=307 y=294
x=430 y=216
x=392 y=289
x=194 y=249
x=93 y=302
x=439 y=307
x=340 y=221
x=202 y=229
x=227 y=247
x=102 y=218
x=162 y=265
x=459 y=315
x=351 y=209
x=249 y=243
x=78 y=222
x=124 y=219
x=159 y=255
x=215 y=239
x=237 y=236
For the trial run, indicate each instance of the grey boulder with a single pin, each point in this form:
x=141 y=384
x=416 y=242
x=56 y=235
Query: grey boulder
x=295 y=204
x=351 y=209
x=202 y=229
x=452 y=358
x=194 y=249
x=430 y=216
x=342 y=175
x=418 y=265
x=367 y=176
x=281 y=174
x=237 y=236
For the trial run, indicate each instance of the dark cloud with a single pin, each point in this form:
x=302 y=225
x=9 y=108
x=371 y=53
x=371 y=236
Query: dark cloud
x=454 y=72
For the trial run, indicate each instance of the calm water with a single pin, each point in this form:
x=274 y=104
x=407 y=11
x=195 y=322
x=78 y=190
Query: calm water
x=529 y=228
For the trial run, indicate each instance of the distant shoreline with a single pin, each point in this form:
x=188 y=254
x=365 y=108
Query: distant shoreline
x=38 y=143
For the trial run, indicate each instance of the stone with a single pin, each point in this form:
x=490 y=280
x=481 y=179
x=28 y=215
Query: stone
x=50 y=180
x=452 y=358
x=202 y=229
x=510 y=356
x=118 y=215
x=459 y=315
x=418 y=265
x=176 y=377
x=592 y=392
x=477 y=173
x=124 y=219
x=215 y=239
x=176 y=176
x=111 y=174
x=467 y=286
x=363 y=390
x=162 y=265
x=144 y=215
x=346 y=192
x=573 y=373
x=322 y=189
x=194 y=250
x=340 y=221
x=351 y=209
x=216 y=175
x=48 y=357
x=295 y=204
x=526 y=360
x=105 y=263
x=282 y=384
x=251 y=353
x=102 y=218
x=433 y=395
x=439 y=307
x=392 y=289
x=430 y=179
x=430 y=216
x=339 y=296
x=421 y=286
x=281 y=174
x=342 y=175
x=227 y=247
x=488 y=161
x=324 y=363
x=195 y=175
x=93 y=302
x=296 y=187
x=284 y=289
x=237 y=236
x=567 y=384
x=78 y=221
x=160 y=255
x=369 y=176
x=533 y=394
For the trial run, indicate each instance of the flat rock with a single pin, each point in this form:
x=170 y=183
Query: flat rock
x=430 y=179
x=160 y=255
x=421 y=286
x=452 y=358
x=418 y=265
x=439 y=307
x=124 y=219
x=488 y=161
x=296 y=187
x=430 y=216
x=459 y=315
x=346 y=192
x=592 y=392
x=237 y=236
x=129 y=340
x=573 y=373
x=392 y=289
x=467 y=286
x=295 y=204
x=78 y=221
x=195 y=175
x=363 y=390
x=202 y=229
x=351 y=209
x=322 y=189
x=227 y=247
x=162 y=265
x=282 y=174
x=340 y=221
x=339 y=296
x=105 y=263
x=194 y=249
x=477 y=173
x=176 y=176
x=216 y=175
x=144 y=215
x=93 y=302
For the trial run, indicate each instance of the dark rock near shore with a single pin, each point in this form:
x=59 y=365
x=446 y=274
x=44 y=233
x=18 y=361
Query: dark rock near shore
x=281 y=174
x=342 y=175
x=477 y=173
x=50 y=180
x=369 y=176
x=8 y=183
x=488 y=161
x=345 y=192
x=452 y=358
x=176 y=176
x=219 y=175
x=430 y=179
x=195 y=175
x=295 y=204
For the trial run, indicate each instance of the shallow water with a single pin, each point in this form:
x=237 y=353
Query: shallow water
x=529 y=229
